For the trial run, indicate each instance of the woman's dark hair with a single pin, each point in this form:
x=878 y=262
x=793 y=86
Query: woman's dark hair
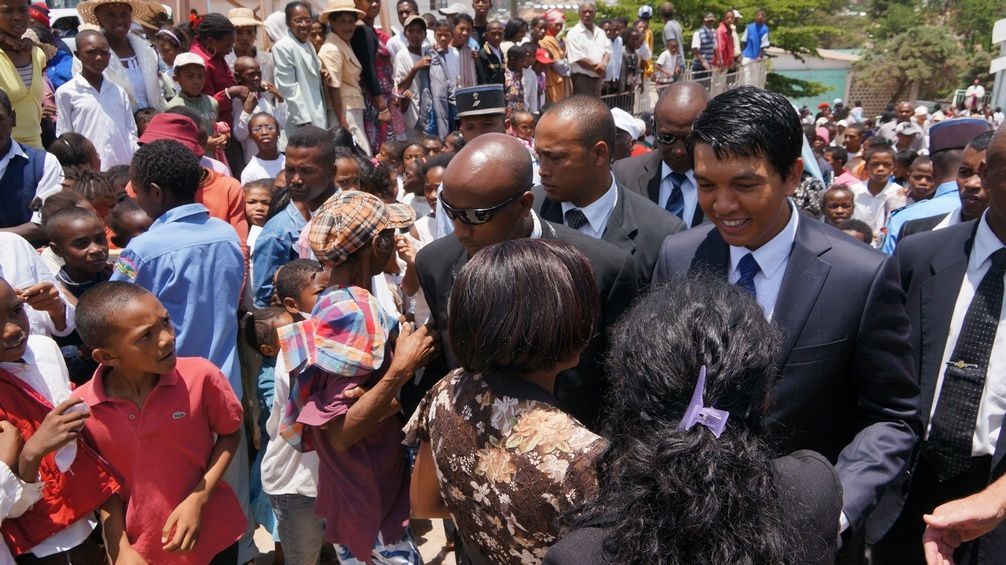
x=280 y=200
x=341 y=137
x=214 y=26
x=514 y=27
x=93 y=186
x=290 y=7
x=176 y=35
x=260 y=326
x=499 y=327
x=751 y=122
x=69 y=150
x=670 y=495
x=118 y=176
x=377 y=181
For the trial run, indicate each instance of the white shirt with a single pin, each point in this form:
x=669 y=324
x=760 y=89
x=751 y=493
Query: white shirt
x=22 y=267
x=284 y=469
x=52 y=174
x=397 y=43
x=262 y=57
x=452 y=65
x=689 y=189
x=16 y=496
x=404 y=60
x=993 y=403
x=45 y=372
x=668 y=61
x=258 y=169
x=614 y=67
x=531 y=99
x=951 y=219
x=584 y=44
x=597 y=212
x=102 y=116
x=772 y=259
x=875 y=209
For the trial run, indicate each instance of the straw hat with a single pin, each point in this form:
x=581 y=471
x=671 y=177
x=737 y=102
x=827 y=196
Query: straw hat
x=243 y=17
x=86 y=8
x=151 y=14
x=339 y=6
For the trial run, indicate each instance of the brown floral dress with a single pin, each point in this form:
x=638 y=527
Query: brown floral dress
x=509 y=461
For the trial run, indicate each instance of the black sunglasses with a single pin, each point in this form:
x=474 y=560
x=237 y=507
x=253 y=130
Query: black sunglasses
x=669 y=139
x=477 y=216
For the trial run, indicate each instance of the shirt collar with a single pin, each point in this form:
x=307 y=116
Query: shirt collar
x=665 y=170
x=772 y=255
x=946 y=188
x=14 y=151
x=536 y=227
x=99 y=394
x=295 y=215
x=986 y=242
x=179 y=213
x=597 y=212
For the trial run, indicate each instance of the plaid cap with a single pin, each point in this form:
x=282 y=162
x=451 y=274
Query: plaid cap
x=351 y=219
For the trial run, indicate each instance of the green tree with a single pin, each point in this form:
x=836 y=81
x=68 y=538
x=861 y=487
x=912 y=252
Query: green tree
x=928 y=56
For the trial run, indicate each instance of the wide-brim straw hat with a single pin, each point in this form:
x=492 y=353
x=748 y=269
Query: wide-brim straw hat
x=146 y=14
x=339 y=6
x=243 y=17
x=86 y=8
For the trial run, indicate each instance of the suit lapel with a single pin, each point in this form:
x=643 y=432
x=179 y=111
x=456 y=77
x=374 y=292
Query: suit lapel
x=649 y=180
x=801 y=283
x=551 y=211
x=622 y=225
x=712 y=255
x=698 y=217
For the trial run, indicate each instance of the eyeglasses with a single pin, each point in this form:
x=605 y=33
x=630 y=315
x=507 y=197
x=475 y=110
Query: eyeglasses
x=264 y=129
x=670 y=139
x=478 y=216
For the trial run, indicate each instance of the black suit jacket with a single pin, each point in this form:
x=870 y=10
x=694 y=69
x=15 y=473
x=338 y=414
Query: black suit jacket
x=920 y=225
x=489 y=67
x=641 y=174
x=636 y=226
x=933 y=266
x=578 y=390
x=847 y=388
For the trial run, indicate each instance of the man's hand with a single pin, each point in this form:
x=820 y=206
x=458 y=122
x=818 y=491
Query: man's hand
x=423 y=63
x=10 y=444
x=960 y=521
x=59 y=428
x=44 y=297
x=181 y=531
x=413 y=349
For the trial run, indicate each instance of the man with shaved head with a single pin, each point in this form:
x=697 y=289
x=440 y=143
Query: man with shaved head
x=904 y=112
x=574 y=140
x=665 y=176
x=487 y=195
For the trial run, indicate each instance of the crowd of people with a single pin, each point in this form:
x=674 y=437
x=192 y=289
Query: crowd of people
x=356 y=281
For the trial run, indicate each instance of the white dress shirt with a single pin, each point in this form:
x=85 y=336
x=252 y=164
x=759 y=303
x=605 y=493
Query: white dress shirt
x=597 y=212
x=993 y=402
x=614 y=68
x=52 y=175
x=259 y=169
x=689 y=189
x=951 y=219
x=16 y=496
x=584 y=44
x=103 y=116
x=772 y=259
x=22 y=267
x=875 y=209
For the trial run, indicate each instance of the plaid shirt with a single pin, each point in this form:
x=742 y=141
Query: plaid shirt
x=346 y=336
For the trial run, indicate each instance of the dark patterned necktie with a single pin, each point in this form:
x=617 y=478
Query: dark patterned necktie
x=953 y=426
x=748 y=268
x=676 y=201
x=575 y=218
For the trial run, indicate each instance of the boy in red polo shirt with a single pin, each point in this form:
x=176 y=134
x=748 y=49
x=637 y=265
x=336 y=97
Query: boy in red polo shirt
x=154 y=416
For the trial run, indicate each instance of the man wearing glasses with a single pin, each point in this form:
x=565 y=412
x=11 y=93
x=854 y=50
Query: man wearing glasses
x=665 y=176
x=487 y=196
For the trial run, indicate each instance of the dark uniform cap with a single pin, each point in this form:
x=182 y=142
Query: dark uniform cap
x=478 y=100
x=955 y=134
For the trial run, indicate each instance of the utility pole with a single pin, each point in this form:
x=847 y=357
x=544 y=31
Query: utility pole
x=998 y=66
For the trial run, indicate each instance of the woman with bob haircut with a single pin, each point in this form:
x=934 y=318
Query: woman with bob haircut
x=688 y=476
x=495 y=451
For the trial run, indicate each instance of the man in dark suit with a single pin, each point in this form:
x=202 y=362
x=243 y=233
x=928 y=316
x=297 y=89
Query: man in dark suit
x=846 y=388
x=665 y=175
x=954 y=280
x=573 y=139
x=487 y=194
x=489 y=65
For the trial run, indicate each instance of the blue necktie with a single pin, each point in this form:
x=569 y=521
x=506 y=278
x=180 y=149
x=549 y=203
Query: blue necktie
x=748 y=268
x=676 y=201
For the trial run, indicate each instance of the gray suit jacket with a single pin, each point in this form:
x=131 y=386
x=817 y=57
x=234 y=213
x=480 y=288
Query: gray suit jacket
x=847 y=388
x=636 y=225
x=642 y=175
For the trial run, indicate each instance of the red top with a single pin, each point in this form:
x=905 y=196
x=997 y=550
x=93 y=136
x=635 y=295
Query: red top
x=162 y=451
x=218 y=77
x=724 y=56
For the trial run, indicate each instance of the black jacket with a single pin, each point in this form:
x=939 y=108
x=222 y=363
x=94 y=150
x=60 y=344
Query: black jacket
x=641 y=174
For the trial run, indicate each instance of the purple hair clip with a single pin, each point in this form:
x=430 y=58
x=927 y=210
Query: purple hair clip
x=696 y=413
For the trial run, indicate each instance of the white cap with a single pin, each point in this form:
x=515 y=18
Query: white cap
x=455 y=8
x=625 y=122
x=843 y=123
x=922 y=111
x=183 y=59
x=836 y=102
x=821 y=121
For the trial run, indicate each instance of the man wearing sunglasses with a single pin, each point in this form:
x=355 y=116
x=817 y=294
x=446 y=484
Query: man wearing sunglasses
x=487 y=196
x=574 y=141
x=665 y=176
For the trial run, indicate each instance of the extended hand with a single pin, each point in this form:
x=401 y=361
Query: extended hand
x=960 y=521
x=414 y=348
x=44 y=297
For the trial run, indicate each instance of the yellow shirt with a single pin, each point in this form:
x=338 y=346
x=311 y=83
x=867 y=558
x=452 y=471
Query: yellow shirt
x=344 y=71
x=26 y=101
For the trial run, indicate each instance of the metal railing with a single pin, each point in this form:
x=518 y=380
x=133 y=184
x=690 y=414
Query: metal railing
x=716 y=82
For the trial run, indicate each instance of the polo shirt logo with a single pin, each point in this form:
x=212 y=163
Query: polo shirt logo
x=178 y=415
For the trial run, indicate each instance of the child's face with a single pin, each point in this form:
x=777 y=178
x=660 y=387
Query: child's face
x=444 y=36
x=434 y=177
x=836 y=165
x=142 y=339
x=264 y=132
x=920 y=181
x=308 y=296
x=461 y=32
x=343 y=24
x=671 y=47
x=880 y=167
x=900 y=171
x=249 y=74
x=191 y=79
x=448 y=144
x=432 y=146
x=411 y=180
x=413 y=154
x=130 y=226
x=838 y=206
x=82 y=243
x=168 y=50
x=271 y=349
x=317 y=35
x=93 y=53
x=415 y=34
x=13 y=324
x=257 y=205
x=347 y=173
x=523 y=126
